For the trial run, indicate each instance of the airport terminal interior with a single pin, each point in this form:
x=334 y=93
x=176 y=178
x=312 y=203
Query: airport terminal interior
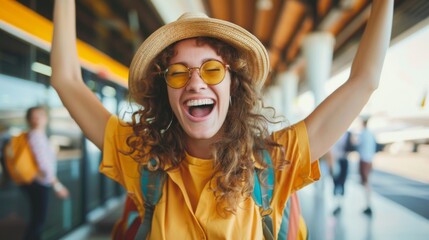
x=297 y=34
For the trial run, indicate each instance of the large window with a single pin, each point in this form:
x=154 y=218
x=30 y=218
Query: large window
x=24 y=81
x=14 y=56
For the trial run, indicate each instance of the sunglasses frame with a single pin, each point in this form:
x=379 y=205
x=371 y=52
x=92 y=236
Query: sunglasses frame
x=164 y=72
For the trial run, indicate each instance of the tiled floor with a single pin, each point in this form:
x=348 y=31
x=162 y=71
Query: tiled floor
x=389 y=220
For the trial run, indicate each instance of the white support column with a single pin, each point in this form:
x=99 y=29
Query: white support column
x=288 y=83
x=318 y=51
x=273 y=98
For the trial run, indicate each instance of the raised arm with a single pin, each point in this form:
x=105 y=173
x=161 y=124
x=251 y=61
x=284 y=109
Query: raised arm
x=334 y=115
x=83 y=105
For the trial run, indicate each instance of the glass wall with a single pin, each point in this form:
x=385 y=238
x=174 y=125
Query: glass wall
x=24 y=81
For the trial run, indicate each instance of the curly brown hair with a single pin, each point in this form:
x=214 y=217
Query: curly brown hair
x=245 y=130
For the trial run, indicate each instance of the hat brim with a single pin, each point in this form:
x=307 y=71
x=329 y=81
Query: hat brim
x=185 y=28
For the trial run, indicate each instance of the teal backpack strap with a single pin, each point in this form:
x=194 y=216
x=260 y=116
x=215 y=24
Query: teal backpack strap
x=152 y=183
x=263 y=193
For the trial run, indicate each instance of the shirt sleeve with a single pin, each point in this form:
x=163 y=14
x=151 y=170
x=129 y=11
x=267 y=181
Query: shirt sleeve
x=116 y=164
x=298 y=169
x=44 y=155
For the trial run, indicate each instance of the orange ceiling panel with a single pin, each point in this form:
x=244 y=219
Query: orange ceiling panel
x=346 y=16
x=290 y=17
x=293 y=50
x=243 y=13
x=265 y=20
x=220 y=9
x=323 y=7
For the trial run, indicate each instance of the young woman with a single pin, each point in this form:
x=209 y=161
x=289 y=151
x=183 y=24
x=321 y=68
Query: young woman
x=198 y=82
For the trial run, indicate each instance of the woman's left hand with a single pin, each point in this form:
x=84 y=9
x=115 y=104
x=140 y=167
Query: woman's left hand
x=61 y=191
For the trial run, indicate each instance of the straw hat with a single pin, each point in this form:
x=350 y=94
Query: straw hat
x=191 y=25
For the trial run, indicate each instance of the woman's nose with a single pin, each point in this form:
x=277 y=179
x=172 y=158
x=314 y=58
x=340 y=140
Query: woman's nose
x=195 y=83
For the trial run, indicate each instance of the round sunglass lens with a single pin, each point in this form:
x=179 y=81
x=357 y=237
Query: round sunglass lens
x=212 y=72
x=177 y=75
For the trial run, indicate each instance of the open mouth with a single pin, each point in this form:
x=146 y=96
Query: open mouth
x=200 y=107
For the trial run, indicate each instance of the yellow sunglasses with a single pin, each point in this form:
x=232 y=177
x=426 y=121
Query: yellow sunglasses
x=212 y=72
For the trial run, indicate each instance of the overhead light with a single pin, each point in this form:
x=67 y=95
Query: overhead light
x=347 y=4
x=264 y=4
x=108 y=91
x=41 y=68
x=171 y=10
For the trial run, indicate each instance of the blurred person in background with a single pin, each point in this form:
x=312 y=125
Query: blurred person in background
x=367 y=147
x=38 y=190
x=339 y=165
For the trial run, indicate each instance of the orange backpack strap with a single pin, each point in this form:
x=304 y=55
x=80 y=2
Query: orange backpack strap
x=294 y=217
x=129 y=218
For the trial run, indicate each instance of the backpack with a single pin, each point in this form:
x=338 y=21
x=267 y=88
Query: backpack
x=131 y=226
x=19 y=160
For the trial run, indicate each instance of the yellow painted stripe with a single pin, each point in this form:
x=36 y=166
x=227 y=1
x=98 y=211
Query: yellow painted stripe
x=28 y=21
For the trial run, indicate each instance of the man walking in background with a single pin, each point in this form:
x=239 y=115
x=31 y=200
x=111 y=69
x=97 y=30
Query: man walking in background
x=367 y=149
x=339 y=165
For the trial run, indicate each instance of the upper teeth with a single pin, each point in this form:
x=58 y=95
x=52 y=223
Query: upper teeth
x=199 y=102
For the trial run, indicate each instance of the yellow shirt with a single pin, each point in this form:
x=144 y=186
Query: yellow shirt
x=187 y=208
